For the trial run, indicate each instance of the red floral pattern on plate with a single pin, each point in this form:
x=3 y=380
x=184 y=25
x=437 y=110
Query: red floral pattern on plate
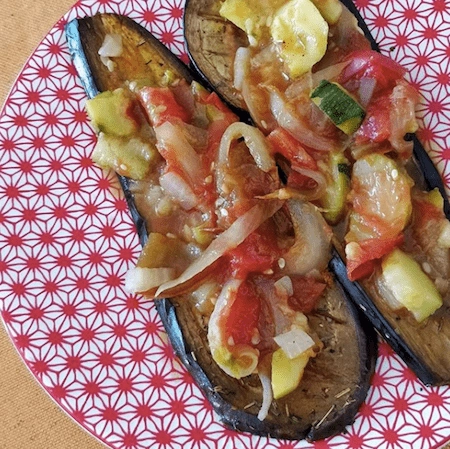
x=67 y=240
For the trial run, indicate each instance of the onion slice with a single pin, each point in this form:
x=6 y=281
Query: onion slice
x=254 y=98
x=329 y=73
x=241 y=66
x=366 y=90
x=386 y=293
x=267 y=395
x=111 y=46
x=179 y=190
x=311 y=249
x=226 y=241
x=255 y=141
x=284 y=286
x=294 y=342
x=173 y=145
x=288 y=120
x=142 y=279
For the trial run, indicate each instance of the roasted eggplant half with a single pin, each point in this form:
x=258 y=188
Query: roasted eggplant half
x=343 y=119
x=226 y=246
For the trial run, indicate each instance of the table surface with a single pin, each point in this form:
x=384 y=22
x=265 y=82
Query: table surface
x=29 y=419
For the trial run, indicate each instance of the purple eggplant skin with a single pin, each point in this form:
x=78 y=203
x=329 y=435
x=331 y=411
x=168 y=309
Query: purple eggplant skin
x=335 y=383
x=84 y=38
x=230 y=398
x=426 y=348
x=211 y=43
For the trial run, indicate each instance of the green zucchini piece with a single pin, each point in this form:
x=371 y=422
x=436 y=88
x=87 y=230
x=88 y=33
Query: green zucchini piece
x=287 y=373
x=409 y=285
x=343 y=110
x=111 y=112
x=335 y=197
x=128 y=157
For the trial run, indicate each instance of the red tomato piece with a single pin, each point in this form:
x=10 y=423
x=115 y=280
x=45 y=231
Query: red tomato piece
x=243 y=317
x=307 y=292
x=377 y=125
x=301 y=182
x=387 y=73
x=289 y=147
x=161 y=106
x=214 y=100
x=255 y=254
x=374 y=65
x=362 y=260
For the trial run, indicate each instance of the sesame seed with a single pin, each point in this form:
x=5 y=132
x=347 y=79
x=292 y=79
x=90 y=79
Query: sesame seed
x=426 y=267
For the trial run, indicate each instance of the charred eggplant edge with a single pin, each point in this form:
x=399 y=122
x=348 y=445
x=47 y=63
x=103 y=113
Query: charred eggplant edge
x=239 y=420
x=236 y=419
x=90 y=87
x=431 y=175
x=354 y=290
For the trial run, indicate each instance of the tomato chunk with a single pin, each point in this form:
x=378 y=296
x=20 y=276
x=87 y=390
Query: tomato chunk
x=363 y=256
x=289 y=147
x=256 y=253
x=377 y=125
x=214 y=100
x=243 y=317
x=161 y=106
x=371 y=64
x=300 y=181
x=307 y=292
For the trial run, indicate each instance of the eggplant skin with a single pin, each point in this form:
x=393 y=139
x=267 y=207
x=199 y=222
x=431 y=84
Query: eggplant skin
x=411 y=342
x=211 y=43
x=335 y=382
x=424 y=348
x=143 y=57
x=332 y=389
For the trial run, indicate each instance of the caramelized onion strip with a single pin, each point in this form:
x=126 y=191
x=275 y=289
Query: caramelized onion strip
x=311 y=250
x=256 y=144
x=294 y=125
x=227 y=240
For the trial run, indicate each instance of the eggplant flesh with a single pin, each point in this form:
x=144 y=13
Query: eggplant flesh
x=335 y=382
x=212 y=42
x=424 y=347
x=333 y=387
